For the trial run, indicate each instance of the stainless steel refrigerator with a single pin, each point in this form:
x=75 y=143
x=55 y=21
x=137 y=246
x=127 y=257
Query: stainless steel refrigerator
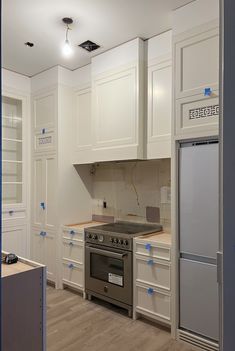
x=199 y=237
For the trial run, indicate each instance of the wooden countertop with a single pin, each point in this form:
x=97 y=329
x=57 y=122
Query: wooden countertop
x=162 y=237
x=84 y=224
x=15 y=268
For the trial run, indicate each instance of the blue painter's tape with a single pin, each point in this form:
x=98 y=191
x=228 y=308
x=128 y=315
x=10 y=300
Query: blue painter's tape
x=207 y=92
x=42 y=204
x=150 y=262
x=150 y=291
x=148 y=246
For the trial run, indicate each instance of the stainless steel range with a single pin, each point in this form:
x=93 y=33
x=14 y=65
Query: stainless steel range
x=109 y=262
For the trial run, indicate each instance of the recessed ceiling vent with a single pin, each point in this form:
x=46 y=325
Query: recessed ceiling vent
x=89 y=46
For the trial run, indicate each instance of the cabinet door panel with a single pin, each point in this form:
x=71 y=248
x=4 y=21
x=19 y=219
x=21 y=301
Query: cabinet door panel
x=37 y=246
x=14 y=240
x=44 y=111
x=159 y=110
x=197 y=63
x=50 y=191
x=38 y=191
x=115 y=110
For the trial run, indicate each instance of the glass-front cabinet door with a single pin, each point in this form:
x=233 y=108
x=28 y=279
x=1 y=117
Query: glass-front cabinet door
x=12 y=151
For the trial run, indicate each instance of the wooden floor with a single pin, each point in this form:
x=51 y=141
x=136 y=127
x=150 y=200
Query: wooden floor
x=75 y=324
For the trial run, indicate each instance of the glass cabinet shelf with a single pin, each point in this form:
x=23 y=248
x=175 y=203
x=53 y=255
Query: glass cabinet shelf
x=12 y=151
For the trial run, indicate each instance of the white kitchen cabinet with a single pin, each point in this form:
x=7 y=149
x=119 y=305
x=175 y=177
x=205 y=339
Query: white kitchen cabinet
x=196 y=71
x=59 y=194
x=43 y=250
x=73 y=274
x=159 y=96
x=44 y=191
x=196 y=62
x=15 y=163
x=44 y=110
x=14 y=239
x=118 y=103
x=73 y=253
x=152 y=277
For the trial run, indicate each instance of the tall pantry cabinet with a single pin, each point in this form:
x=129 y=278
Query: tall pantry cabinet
x=15 y=163
x=58 y=193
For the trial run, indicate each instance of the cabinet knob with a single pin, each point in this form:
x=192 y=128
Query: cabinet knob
x=150 y=262
x=71 y=243
x=70 y=265
x=72 y=232
x=150 y=291
x=43 y=233
x=148 y=247
x=43 y=130
x=207 y=92
x=11 y=212
x=42 y=204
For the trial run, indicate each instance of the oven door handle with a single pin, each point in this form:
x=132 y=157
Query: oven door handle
x=106 y=252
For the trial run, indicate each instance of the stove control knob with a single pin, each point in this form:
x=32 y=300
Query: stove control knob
x=111 y=240
x=115 y=240
x=120 y=241
x=125 y=242
x=94 y=236
x=89 y=235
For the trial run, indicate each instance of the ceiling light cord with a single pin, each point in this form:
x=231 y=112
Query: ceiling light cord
x=66 y=35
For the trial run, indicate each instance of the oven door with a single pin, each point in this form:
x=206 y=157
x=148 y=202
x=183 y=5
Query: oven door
x=109 y=272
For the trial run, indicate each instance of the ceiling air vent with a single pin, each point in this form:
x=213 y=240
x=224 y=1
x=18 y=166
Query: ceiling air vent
x=89 y=46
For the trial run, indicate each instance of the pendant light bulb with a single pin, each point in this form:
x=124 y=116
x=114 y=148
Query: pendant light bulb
x=67 y=50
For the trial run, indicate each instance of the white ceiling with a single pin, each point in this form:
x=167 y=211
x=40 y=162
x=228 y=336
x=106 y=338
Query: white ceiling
x=106 y=22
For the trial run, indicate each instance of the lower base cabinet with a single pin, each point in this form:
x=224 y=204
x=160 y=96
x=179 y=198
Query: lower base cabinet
x=73 y=274
x=14 y=240
x=43 y=250
x=153 y=303
x=152 y=277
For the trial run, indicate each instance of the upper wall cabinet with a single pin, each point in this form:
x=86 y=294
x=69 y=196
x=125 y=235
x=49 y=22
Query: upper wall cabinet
x=196 y=70
x=159 y=96
x=118 y=103
x=197 y=63
x=44 y=120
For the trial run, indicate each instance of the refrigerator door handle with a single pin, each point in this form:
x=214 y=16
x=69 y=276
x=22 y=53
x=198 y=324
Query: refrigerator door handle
x=219 y=258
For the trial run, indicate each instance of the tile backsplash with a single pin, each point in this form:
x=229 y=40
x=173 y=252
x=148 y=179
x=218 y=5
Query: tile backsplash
x=130 y=190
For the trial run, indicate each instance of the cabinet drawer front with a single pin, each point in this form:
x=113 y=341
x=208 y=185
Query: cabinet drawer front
x=151 y=250
x=71 y=234
x=11 y=215
x=197 y=115
x=73 y=273
x=152 y=301
x=152 y=272
x=44 y=140
x=73 y=251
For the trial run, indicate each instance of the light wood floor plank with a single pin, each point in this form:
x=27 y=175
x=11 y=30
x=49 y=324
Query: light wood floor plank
x=75 y=324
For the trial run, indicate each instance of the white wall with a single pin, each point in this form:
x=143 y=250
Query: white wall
x=16 y=81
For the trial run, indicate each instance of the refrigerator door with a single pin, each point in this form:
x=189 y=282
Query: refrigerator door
x=199 y=199
x=199 y=306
